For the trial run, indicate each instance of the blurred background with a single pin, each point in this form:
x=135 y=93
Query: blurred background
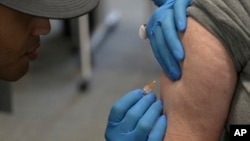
x=58 y=100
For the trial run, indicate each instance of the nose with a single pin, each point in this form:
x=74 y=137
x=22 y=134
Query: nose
x=41 y=26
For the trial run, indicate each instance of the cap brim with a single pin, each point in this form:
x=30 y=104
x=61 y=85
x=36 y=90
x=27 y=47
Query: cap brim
x=57 y=9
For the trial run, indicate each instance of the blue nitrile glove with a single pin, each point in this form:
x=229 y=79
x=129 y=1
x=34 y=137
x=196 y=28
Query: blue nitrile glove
x=135 y=117
x=162 y=30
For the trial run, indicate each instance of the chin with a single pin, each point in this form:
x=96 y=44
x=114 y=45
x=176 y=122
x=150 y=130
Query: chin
x=14 y=75
x=13 y=78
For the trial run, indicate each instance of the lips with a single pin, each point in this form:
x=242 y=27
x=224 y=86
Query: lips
x=33 y=44
x=32 y=55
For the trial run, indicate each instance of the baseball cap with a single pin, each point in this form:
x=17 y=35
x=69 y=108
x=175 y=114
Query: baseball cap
x=58 y=9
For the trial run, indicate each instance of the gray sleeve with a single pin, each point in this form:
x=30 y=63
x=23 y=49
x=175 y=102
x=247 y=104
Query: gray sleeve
x=240 y=107
x=229 y=21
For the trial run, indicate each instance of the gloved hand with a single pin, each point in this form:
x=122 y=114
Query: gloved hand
x=136 y=118
x=162 y=32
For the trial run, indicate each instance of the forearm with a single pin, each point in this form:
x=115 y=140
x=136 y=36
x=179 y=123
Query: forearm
x=197 y=105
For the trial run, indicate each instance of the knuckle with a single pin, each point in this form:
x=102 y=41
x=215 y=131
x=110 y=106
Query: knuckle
x=117 y=108
x=144 y=126
x=132 y=114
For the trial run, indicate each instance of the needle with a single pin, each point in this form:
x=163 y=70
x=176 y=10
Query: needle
x=148 y=88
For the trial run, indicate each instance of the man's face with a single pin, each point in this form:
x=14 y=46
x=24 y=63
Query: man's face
x=19 y=41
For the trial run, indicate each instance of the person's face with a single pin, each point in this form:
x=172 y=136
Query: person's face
x=19 y=41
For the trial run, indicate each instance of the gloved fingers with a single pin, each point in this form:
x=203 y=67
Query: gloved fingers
x=156 y=51
x=171 y=35
x=165 y=65
x=134 y=114
x=150 y=29
x=168 y=62
x=148 y=121
x=167 y=57
x=159 y=2
x=154 y=21
x=159 y=130
x=120 y=108
x=168 y=3
x=180 y=11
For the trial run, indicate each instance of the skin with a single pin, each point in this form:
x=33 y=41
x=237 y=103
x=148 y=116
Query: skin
x=198 y=104
x=19 y=41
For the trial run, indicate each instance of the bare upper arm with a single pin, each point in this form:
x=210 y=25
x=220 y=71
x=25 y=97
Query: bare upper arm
x=197 y=105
